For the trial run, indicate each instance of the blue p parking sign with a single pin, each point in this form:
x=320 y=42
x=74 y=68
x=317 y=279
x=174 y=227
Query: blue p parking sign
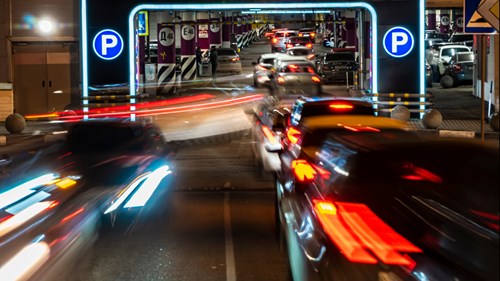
x=398 y=42
x=108 y=44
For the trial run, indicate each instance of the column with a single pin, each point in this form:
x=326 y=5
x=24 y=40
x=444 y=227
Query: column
x=166 y=54
x=431 y=20
x=458 y=21
x=350 y=28
x=188 y=46
x=226 y=30
x=202 y=21
x=238 y=30
x=444 y=26
x=214 y=33
x=244 y=32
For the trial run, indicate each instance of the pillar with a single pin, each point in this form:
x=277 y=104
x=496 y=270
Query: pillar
x=202 y=21
x=444 y=26
x=226 y=30
x=188 y=46
x=166 y=54
x=214 y=33
x=431 y=20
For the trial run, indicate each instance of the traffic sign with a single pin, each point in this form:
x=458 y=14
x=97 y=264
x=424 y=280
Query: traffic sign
x=166 y=36
x=108 y=44
x=481 y=16
x=142 y=23
x=398 y=42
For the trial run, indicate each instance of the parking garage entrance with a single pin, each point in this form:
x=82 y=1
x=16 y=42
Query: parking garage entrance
x=117 y=46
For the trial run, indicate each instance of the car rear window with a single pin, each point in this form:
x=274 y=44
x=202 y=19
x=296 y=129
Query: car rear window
x=226 y=52
x=340 y=56
x=300 y=52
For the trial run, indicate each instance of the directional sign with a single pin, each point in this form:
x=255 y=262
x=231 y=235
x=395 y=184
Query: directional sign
x=108 y=44
x=480 y=16
x=398 y=42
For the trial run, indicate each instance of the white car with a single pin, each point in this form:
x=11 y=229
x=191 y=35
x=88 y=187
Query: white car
x=302 y=52
x=262 y=69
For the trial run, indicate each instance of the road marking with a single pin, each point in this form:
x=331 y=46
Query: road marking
x=230 y=266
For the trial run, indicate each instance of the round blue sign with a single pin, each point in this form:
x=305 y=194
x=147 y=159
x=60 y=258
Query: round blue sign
x=108 y=44
x=398 y=42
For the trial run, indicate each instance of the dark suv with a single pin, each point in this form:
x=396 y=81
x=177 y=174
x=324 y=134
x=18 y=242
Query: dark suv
x=459 y=70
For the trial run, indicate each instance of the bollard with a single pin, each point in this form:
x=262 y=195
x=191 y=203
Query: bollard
x=400 y=112
x=15 y=123
x=432 y=119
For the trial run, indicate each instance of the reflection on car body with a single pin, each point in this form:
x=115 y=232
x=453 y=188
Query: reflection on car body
x=337 y=66
x=292 y=79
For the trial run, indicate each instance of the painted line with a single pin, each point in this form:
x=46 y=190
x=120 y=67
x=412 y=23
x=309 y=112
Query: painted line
x=230 y=265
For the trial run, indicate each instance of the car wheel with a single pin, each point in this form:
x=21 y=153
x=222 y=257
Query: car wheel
x=446 y=81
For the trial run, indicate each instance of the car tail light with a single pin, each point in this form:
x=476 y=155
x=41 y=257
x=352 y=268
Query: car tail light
x=457 y=67
x=235 y=59
x=301 y=34
x=310 y=57
x=281 y=81
x=315 y=79
x=360 y=234
x=275 y=40
x=293 y=135
x=341 y=106
x=289 y=45
x=312 y=34
x=309 y=45
x=305 y=172
x=270 y=136
x=293 y=66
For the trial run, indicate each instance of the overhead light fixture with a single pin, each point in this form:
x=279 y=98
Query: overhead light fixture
x=251 y=11
x=45 y=26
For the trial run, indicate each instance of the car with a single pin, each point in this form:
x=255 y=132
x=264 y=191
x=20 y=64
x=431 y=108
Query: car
x=440 y=55
x=428 y=43
x=292 y=79
x=337 y=66
x=294 y=41
x=101 y=176
x=459 y=70
x=263 y=68
x=308 y=32
x=387 y=205
x=431 y=34
x=228 y=60
x=303 y=52
x=462 y=38
x=279 y=39
x=270 y=34
x=272 y=120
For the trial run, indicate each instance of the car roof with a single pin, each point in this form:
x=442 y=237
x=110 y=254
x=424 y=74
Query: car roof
x=353 y=121
x=269 y=55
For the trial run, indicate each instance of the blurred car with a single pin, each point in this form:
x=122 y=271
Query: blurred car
x=294 y=41
x=440 y=54
x=308 y=32
x=228 y=60
x=279 y=40
x=462 y=38
x=271 y=121
x=302 y=52
x=292 y=79
x=369 y=203
x=431 y=34
x=53 y=205
x=262 y=69
x=459 y=70
x=337 y=66
x=428 y=43
x=270 y=34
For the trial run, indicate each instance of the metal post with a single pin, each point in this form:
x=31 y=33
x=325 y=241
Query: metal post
x=483 y=78
x=361 y=41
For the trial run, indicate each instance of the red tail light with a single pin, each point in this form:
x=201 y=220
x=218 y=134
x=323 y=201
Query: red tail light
x=293 y=66
x=289 y=45
x=355 y=229
x=457 y=67
x=300 y=34
x=303 y=171
x=315 y=79
x=293 y=135
x=235 y=59
x=309 y=45
x=269 y=134
x=281 y=81
x=310 y=57
x=312 y=34
x=275 y=40
x=341 y=106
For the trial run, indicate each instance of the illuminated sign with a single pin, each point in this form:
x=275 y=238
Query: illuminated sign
x=398 y=42
x=108 y=44
x=142 y=23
